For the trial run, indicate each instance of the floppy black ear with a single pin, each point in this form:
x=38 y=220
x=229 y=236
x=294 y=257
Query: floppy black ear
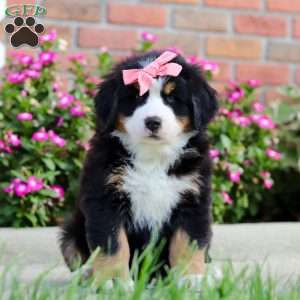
x=106 y=102
x=204 y=101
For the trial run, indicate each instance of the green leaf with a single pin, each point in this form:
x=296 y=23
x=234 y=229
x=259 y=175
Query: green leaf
x=225 y=140
x=49 y=163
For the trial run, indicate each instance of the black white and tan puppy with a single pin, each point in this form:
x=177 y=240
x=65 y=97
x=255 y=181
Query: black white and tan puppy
x=148 y=170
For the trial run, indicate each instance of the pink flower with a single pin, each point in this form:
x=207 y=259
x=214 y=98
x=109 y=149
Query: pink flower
x=235 y=95
x=34 y=184
x=268 y=183
x=16 y=78
x=209 y=66
x=242 y=121
x=226 y=198
x=65 y=101
x=59 y=121
x=85 y=146
x=56 y=139
x=60 y=193
x=273 y=154
x=235 y=113
x=9 y=189
x=40 y=135
x=55 y=86
x=223 y=111
x=265 y=122
x=78 y=57
x=149 y=37
x=234 y=176
x=258 y=107
x=253 y=83
x=32 y=74
x=24 y=93
x=265 y=174
x=214 y=153
x=13 y=139
x=77 y=110
x=26 y=60
x=21 y=189
x=49 y=37
x=24 y=116
x=37 y=66
x=2 y=145
x=47 y=57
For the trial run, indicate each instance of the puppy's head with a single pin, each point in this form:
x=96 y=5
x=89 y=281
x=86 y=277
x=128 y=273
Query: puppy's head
x=173 y=106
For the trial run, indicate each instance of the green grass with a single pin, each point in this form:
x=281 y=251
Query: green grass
x=244 y=285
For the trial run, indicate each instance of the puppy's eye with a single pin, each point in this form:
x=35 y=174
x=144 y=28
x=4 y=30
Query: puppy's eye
x=169 y=87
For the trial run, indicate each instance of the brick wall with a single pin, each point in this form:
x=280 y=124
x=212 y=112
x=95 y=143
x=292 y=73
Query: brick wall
x=249 y=38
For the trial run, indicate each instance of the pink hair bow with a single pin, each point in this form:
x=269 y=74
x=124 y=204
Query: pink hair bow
x=159 y=67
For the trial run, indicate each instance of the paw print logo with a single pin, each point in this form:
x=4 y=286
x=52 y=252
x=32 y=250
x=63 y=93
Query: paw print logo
x=24 y=32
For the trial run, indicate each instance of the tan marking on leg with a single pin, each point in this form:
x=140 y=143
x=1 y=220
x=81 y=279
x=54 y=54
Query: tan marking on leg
x=113 y=266
x=183 y=254
x=185 y=123
x=116 y=178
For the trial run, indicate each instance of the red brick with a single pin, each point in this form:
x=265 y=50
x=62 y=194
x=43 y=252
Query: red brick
x=200 y=20
x=296 y=28
x=261 y=25
x=137 y=14
x=220 y=87
x=13 y=2
x=233 y=48
x=224 y=73
x=284 y=5
x=188 y=43
x=174 y=1
x=266 y=73
x=285 y=52
x=63 y=32
x=88 y=10
x=91 y=37
x=252 y=4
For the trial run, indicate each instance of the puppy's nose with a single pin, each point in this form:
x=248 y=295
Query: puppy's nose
x=153 y=123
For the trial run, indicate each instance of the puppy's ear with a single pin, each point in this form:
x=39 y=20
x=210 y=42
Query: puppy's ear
x=106 y=102
x=204 y=101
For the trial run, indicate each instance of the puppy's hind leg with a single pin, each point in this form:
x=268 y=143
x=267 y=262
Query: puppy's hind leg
x=73 y=242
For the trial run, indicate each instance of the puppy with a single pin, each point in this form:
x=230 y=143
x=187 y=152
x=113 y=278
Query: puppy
x=148 y=169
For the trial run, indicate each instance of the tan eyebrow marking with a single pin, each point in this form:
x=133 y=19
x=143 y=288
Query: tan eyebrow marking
x=169 y=87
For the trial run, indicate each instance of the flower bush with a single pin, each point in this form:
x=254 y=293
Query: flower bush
x=244 y=152
x=45 y=127
x=44 y=130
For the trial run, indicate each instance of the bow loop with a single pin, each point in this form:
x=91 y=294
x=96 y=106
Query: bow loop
x=159 y=67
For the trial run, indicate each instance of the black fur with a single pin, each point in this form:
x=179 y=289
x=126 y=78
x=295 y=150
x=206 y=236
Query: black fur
x=101 y=210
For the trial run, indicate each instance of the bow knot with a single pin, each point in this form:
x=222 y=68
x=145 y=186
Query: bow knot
x=159 y=67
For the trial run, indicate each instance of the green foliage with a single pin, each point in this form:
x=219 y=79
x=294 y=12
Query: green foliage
x=287 y=115
x=41 y=157
x=243 y=136
x=248 y=284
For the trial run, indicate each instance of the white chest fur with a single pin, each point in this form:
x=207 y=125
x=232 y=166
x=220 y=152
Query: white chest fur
x=154 y=194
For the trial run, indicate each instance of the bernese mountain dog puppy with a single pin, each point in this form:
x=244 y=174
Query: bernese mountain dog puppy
x=148 y=170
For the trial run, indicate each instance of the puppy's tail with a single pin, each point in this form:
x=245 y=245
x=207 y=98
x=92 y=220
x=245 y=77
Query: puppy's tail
x=73 y=242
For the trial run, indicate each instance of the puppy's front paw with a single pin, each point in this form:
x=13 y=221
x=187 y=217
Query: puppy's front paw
x=193 y=281
x=127 y=285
